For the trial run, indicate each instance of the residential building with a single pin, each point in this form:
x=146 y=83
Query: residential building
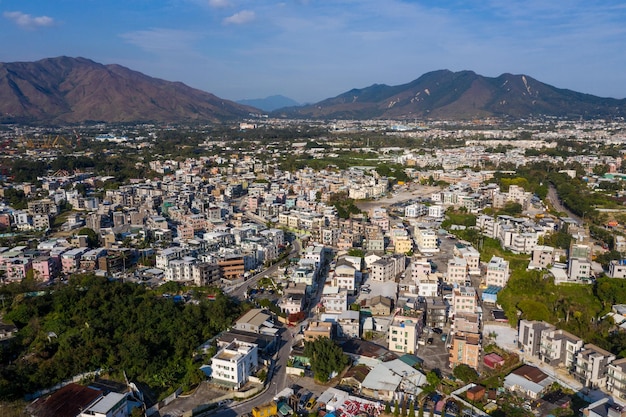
x=318 y=329
x=559 y=348
x=254 y=321
x=232 y=267
x=466 y=323
x=235 y=363
x=591 y=366
x=426 y=240
x=292 y=303
x=542 y=257
x=529 y=335
x=403 y=334
x=471 y=256
x=579 y=269
x=344 y=276
x=617 y=269
x=497 y=272
x=428 y=286
x=457 y=271
x=529 y=381
x=465 y=349
x=112 y=404
x=436 y=312
x=349 y=324
x=334 y=299
x=616 y=379
x=464 y=300
x=383 y=269
x=380 y=305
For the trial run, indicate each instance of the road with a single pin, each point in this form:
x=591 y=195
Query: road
x=276 y=383
x=556 y=203
x=277 y=377
x=241 y=289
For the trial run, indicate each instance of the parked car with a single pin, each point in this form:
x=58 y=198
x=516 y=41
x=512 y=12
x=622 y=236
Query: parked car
x=311 y=404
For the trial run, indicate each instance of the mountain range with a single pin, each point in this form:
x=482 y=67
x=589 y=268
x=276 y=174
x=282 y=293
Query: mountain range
x=270 y=103
x=451 y=95
x=70 y=90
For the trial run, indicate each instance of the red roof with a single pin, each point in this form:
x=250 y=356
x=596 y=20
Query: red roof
x=69 y=401
x=492 y=360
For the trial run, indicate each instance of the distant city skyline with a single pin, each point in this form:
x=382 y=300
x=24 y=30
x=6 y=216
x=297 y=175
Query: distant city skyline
x=310 y=50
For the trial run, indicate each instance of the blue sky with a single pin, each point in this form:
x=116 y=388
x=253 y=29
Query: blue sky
x=310 y=50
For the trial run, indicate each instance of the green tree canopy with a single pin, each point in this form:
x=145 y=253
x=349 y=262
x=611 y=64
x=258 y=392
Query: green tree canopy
x=326 y=357
x=465 y=373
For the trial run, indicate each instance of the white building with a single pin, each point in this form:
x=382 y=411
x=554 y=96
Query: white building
x=436 y=211
x=457 y=271
x=497 y=272
x=235 y=363
x=112 y=404
x=617 y=269
x=426 y=240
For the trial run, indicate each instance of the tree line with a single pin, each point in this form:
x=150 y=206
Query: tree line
x=91 y=323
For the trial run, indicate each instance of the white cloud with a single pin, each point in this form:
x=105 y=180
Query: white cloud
x=27 y=21
x=240 y=18
x=219 y=4
x=159 y=39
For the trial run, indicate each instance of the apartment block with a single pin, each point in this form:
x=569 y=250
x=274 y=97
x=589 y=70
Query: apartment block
x=616 y=379
x=403 y=334
x=591 y=366
x=465 y=349
x=529 y=335
x=497 y=272
x=559 y=348
x=235 y=363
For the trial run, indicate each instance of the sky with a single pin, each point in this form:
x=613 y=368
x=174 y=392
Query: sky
x=310 y=50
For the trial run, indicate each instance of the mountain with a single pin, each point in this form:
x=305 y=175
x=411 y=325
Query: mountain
x=270 y=103
x=451 y=95
x=67 y=89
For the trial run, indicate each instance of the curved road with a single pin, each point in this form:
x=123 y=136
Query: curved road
x=553 y=196
x=277 y=377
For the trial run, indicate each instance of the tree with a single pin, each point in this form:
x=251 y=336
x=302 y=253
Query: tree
x=387 y=408
x=465 y=373
x=396 y=409
x=92 y=236
x=326 y=357
x=412 y=409
x=433 y=380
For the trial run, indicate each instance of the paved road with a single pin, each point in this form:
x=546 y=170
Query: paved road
x=556 y=203
x=240 y=291
x=277 y=382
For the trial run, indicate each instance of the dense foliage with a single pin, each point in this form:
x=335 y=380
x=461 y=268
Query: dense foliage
x=92 y=323
x=326 y=357
x=465 y=373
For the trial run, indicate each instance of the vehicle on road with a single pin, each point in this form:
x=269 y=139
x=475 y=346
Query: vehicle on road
x=311 y=404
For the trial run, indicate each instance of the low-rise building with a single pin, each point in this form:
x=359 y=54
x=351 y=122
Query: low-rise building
x=403 y=334
x=591 y=366
x=235 y=363
x=616 y=379
x=497 y=272
x=318 y=329
x=465 y=349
